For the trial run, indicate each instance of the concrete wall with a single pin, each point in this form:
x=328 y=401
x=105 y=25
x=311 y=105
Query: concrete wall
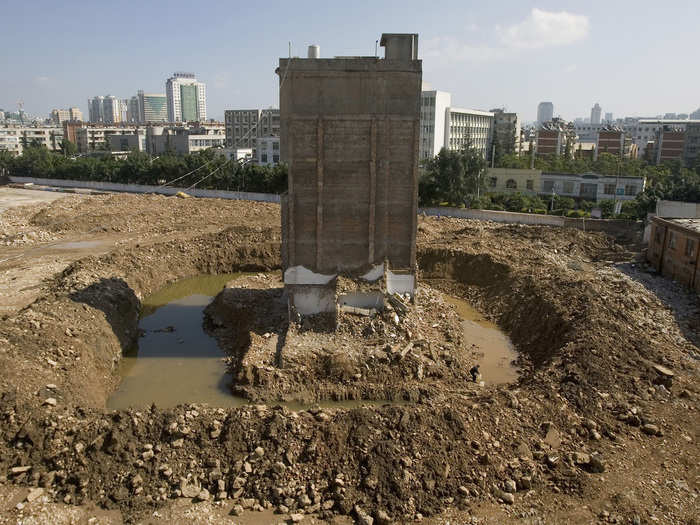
x=349 y=133
x=139 y=188
x=677 y=209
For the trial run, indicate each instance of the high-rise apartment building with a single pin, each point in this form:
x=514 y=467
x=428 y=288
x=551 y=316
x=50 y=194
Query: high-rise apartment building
x=133 y=112
x=695 y=115
x=59 y=116
x=434 y=107
x=596 y=111
x=506 y=132
x=186 y=98
x=111 y=110
x=75 y=114
x=545 y=112
x=153 y=107
x=691 y=154
x=244 y=126
x=95 y=109
x=608 y=118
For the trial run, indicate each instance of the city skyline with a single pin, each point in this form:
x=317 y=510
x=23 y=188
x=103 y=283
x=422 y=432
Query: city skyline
x=554 y=50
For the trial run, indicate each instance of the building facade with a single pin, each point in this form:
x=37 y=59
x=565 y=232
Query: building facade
x=267 y=150
x=643 y=131
x=97 y=137
x=14 y=138
x=506 y=132
x=555 y=138
x=545 y=112
x=591 y=186
x=465 y=127
x=111 y=110
x=153 y=107
x=433 y=111
x=350 y=132
x=186 y=98
x=95 y=109
x=596 y=111
x=510 y=180
x=245 y=126
x=613 y=140
x=691 y=154
x=674 y=250
x=669 y=144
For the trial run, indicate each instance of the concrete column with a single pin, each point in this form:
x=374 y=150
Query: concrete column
x=414 y=212
x=372 y=187
x=291 y=239
x=319 y=190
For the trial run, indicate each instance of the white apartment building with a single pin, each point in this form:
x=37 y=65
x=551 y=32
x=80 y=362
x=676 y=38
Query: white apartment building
x=591 y=186
x=186 y=98
x=95 y=109
x=111 y=110
x=453 y=128
x=506 y=131
x=267 y=150
x=586 y=131
x=14 y=137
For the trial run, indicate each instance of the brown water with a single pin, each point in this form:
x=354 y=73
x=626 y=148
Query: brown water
x=177 y=362
x=497 y=350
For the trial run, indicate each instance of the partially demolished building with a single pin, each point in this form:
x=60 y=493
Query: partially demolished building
x=349 y=132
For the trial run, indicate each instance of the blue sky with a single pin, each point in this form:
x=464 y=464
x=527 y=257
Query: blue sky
x=633 y=57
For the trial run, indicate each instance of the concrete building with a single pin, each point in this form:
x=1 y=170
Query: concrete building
x=127 y=143
x=613 y=140
x=555 y=138
x=596 y=110
x=186 y=98
x=111 y=110
x=267 y=150
x=669 y=144
x=59 y=116
x=95 y=109
x=506 y=132
x=587 y=132
x=97 y=137
x=244 y=126
x=133 y=113
x=14 y=137
x=510 y=180
x=591 y=186
x=184 y=139
x=691 y=154
x=350 y=131
x=545 y=112
x=434 y=108
x=75 y=114
x=608 y=118
x=465 y=127
x=643 y=131
x=153 y=107
x=695 y=115
x=674 y=250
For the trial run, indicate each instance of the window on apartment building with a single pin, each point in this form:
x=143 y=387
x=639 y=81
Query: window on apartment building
x=511 y=184
x=275 y=146
x=548 y=186
x=609 y=189
x=690 y=248
x=530 y=184
x=263 y=157
x=568 y=186
x=492 y=182
x=630 y=189
x=275 y=158
x=672 y=240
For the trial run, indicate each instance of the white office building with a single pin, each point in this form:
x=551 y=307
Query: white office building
x=545 y=112
x=444 y=126
x=595 y=114
x=186 y=98
x=267 y=150
x=644 y=131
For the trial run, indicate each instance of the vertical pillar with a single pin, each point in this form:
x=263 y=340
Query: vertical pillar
x=291 y=237
x=319 y=191
x=387 y=172
x=414 y=211
x=372 y=186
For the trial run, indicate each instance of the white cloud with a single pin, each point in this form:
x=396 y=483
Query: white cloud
x=540 y=29
x=570 y=68
x=546 y=29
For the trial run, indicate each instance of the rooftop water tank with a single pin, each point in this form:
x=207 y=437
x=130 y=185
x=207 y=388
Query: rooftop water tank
x=314 y=51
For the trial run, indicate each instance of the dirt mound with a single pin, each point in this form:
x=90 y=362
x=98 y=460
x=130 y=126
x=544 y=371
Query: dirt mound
x=594 y=426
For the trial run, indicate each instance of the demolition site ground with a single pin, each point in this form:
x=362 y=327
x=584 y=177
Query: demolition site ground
x=347 y=418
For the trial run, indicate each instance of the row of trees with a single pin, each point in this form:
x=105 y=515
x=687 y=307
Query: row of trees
x=207 y=169
x=457 y=178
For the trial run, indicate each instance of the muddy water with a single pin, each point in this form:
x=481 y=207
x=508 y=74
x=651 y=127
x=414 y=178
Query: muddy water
x=496 y=350
x=176 y=362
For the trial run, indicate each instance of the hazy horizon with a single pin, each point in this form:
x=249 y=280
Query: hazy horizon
x=630 y=57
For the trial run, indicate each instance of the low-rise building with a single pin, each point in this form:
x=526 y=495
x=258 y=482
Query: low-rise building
x=90 y=137
x=131 y=142
x=591 y=186
x=614 y=141
x=555 y=138
x=13 y=137
x=506 y=132
x=674 y=249
x=507 y=180
x=691 y=154
x=669 y=144
x=244 y=126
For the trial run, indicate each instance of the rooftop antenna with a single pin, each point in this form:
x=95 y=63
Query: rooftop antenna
x=376 y=49
x=290 y=49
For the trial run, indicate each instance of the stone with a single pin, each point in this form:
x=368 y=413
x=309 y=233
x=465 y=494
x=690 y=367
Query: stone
x=282 y=509
x=590 y=424
x=506 y=497
x=304 y=500
x=237 y=510
x=525 y=483
x=136 y=480
x=581 y=458
x=35 y=494
x=260 y=452
x=596 y=465
x=20 y=470
x=651 y=430
x=203 y=495
x=328 y=504
x=382 y=518
x=463 y=490
x=148 y=454
x=221 y=495
x=50 y=401
x=177 y=443
x=510 y=486
x=663 y=371
x=189 y=490
x=296 y=518
x=553 y=438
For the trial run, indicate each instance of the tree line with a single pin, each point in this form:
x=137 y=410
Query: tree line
x=206 y=169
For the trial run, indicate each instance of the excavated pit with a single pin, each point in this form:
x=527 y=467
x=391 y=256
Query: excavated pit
x=582 y=357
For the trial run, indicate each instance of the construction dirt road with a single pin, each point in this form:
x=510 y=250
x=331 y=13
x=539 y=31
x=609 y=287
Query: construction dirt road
x=600 y=426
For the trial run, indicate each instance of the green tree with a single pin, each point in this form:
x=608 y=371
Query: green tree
x=453 y=177
x=68 y=148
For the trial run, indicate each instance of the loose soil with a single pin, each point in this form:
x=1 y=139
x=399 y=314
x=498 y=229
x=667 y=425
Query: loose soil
x=595 y=429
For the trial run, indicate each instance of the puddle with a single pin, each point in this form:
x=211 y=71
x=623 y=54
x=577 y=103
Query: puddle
x=498 y=351
x=177 y=362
